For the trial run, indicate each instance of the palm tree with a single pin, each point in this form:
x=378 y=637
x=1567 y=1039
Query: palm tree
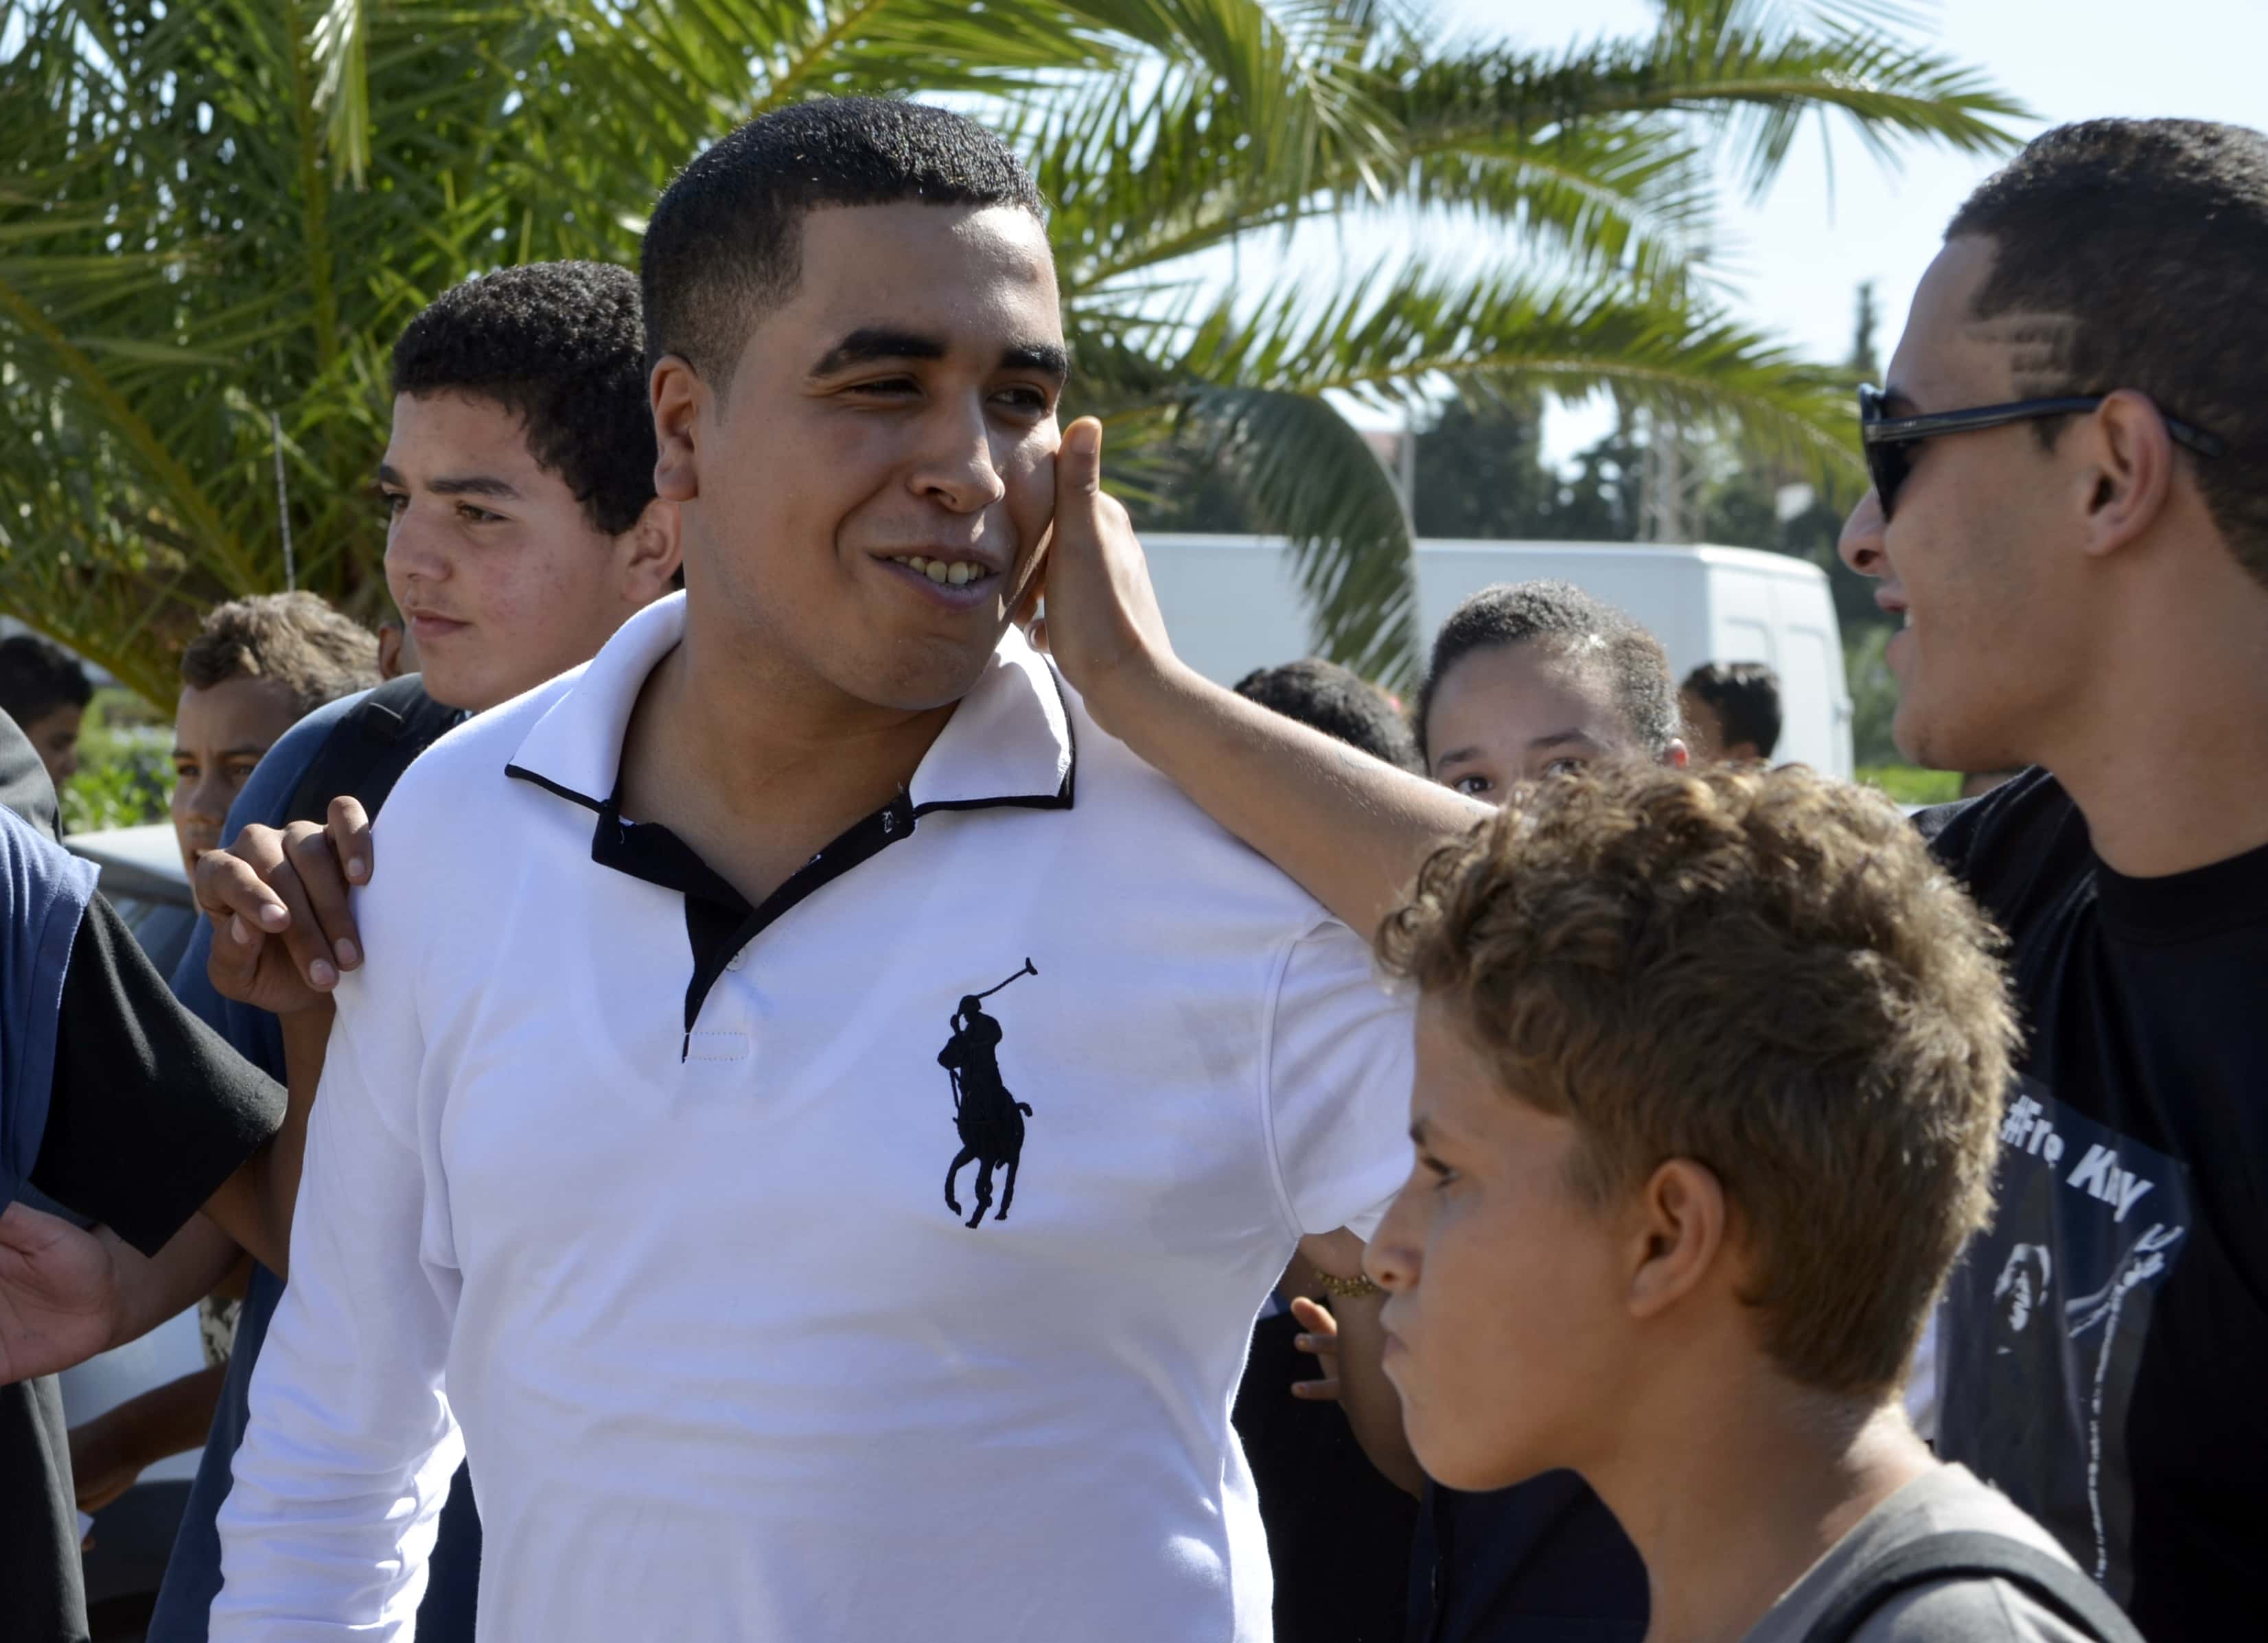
x=214 y=217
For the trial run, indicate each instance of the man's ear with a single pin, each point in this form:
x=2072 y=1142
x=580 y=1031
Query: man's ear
x=2129 y=469
x=678 y=395
x=1681 y=1215
x=652 y=550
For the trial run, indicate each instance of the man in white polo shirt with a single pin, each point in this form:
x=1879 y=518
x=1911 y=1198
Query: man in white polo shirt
x=819 y=1116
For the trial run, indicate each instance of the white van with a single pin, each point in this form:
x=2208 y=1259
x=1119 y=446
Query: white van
x=1232 y=605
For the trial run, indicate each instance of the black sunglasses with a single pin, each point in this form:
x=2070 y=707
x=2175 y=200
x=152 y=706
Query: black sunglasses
x=1888 y=441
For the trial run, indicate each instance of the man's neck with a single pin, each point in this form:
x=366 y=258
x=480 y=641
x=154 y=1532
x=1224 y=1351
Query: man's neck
x=2166 y=754
x=1730 y=1499
x=756 y=771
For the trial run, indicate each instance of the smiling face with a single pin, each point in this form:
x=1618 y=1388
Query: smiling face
x=502 y=577
x=1506 y=1334
x=1978 y=562
x=1511 y=713
x=220 y=732
x=863 y=505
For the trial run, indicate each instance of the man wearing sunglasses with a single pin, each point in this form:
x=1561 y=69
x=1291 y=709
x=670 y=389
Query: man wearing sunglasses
x=2070 y=515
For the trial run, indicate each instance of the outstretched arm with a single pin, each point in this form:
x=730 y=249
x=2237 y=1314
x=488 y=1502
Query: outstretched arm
x=1350 y=829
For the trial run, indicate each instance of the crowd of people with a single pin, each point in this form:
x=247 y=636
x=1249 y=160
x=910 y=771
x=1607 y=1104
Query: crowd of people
x=780 y=786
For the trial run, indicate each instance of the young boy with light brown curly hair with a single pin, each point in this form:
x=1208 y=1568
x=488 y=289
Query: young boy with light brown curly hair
x=1709 y=1074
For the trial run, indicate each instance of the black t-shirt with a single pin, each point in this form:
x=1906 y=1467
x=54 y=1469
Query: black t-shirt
x=151 y=1109
x=1543 y=1561
x=1338 y=1532
x=2104 y=1346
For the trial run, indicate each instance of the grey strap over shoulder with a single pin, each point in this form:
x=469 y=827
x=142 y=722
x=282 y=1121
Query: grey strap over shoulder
x=1973 y=1555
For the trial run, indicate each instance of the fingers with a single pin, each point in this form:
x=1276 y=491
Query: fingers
x=350 y=840
x=245 y=913
x=307 y=856
x=1079 y=481
x=258 y=888
x=326 y=859
x=1319 y=1340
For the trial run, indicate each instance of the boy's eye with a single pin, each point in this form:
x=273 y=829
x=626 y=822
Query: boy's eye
x=1564 y=768
x=476 y=515
x=391 y=503
x=1029 y=401
x=885 y=388
x=1472 y=786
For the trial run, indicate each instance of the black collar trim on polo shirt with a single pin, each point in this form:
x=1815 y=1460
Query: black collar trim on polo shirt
x=718 y=920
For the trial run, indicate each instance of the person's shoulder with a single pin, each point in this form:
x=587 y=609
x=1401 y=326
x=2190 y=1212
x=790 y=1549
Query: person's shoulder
x=2025 y=836
x=2028 y=800
x=468 y=766
x=1969 y=1611
x=1952 y=1499
x=1125 y=799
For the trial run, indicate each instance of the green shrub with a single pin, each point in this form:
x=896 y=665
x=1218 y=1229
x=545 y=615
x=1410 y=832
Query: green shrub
x=126 y=767
x=1909 y=785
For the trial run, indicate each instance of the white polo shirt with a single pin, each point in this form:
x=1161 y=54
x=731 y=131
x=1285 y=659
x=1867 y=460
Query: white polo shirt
x=645 y=1191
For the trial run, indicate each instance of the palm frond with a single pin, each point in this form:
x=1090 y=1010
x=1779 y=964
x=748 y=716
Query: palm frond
x=1312 y=479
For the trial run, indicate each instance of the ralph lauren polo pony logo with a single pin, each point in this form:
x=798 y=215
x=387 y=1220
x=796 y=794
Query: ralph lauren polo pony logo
x=990 y=1120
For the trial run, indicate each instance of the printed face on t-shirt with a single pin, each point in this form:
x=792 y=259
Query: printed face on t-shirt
x=863 y=497
x=1506 y=1335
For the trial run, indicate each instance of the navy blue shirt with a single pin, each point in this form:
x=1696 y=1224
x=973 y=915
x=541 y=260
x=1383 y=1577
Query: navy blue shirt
x=193 y=1576
x=1543 y=1561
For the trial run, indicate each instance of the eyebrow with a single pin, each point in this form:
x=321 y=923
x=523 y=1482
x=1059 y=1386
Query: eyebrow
x=242 y=748
x=456 y=484
x=1564 y=739
x=1456 y=753
x=872 y=344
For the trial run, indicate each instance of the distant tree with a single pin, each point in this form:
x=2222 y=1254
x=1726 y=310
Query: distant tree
x=1873 y=695
x=1863 y=365
x=1480 y=471
x=216 y=218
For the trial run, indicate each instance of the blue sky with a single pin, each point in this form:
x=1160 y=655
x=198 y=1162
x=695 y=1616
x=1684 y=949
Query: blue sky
x=1795 y=260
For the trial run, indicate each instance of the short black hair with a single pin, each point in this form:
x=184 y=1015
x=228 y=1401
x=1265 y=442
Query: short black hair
x=725 y=241
x=1562 y=616
x=1337 y=702
x=38 y=676
x=561 y=346
x=1746 y=697
x=2140 y=247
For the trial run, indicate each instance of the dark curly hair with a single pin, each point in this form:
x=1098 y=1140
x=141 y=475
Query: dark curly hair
x=726 y=240
x=38 y=676
x=1746 y=696
x=1337 y=702
x=2133 y=254
x=561 y=346
x=1562 y=616
x=1765 y=972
